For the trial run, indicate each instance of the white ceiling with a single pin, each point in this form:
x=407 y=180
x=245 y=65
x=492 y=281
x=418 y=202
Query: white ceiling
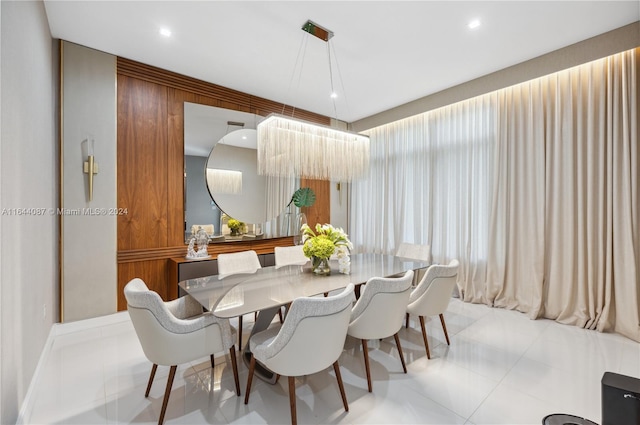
x=387 y=53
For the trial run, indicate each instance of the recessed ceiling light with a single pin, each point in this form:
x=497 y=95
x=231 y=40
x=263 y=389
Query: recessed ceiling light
x=165 y=31
x=334 y=95
x=474 y=24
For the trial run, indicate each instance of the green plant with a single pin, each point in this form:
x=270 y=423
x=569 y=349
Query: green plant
x=303 y=197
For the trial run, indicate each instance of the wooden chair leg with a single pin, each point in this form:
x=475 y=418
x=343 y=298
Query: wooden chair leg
x=234 y=365
x=336 y=369
x=292 y=400
x=280 y=315
x=212 y=361
x=239 y=333
x=153 y=374
x=167 y=393
x=252 y=368
x=406 y=322
x=424 y=336
x=365 y=352
x=444 y=327
x=404 y=366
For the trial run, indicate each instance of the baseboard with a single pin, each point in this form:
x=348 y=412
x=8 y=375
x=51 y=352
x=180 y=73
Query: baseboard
x=95 y=322
x=57 y=329
x=24 y=415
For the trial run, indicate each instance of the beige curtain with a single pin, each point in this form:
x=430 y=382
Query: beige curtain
x=591 y=257
x=278 y=193
x=534 y=188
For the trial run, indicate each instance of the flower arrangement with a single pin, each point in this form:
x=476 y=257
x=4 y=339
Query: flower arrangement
x=323 y=243
x=235 y=226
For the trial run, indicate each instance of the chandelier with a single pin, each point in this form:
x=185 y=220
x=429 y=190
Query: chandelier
x=289 y=147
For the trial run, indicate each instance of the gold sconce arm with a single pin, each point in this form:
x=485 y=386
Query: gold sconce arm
x=90 y=168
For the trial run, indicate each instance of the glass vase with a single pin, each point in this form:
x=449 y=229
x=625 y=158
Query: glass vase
x=320 y=266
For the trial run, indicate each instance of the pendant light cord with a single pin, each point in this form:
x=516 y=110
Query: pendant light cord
x=302 y=49
x=333 y=93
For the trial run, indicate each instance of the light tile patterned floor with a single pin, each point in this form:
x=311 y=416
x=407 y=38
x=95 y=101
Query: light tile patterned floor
x=501 y=368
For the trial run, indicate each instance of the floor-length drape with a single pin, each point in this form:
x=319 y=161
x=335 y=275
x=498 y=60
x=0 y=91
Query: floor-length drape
x=534 y=188
x=591 y=256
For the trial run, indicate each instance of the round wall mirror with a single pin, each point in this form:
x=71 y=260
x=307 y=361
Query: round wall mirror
x=232 y=178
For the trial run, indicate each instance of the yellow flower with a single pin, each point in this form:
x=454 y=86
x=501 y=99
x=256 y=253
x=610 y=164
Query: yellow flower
x=319 y=247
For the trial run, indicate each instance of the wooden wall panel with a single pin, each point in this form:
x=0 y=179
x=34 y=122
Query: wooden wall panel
x=320 y=212
x=151 y=170
x=153 y=272
x=142 y=164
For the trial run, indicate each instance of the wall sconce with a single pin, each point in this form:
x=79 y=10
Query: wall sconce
x=90 y=166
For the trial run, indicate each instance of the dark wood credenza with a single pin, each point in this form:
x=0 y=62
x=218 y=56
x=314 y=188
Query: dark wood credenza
x=183 y=269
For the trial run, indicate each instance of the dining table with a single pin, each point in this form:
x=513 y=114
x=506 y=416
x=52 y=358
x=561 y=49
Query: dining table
x=269 y=288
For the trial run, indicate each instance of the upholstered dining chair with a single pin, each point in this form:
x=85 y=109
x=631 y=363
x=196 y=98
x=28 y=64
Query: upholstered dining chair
x=289 y=256
x=176 y=332
x=378 y=313
x=414 y=251
x=432 y=295
x=208 y=228
x=238 y=263
x=310 y=340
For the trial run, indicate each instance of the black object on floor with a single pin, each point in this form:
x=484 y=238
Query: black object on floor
x=562 y=419
x=620 y=399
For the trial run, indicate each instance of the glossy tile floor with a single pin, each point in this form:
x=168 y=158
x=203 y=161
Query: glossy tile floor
x=501 y=368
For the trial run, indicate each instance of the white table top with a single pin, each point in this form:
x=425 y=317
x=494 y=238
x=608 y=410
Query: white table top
x=270 y=287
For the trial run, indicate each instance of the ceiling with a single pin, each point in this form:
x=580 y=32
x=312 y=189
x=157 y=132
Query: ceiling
x=384 y=53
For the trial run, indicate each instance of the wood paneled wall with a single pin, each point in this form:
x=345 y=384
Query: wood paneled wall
x=150 y=144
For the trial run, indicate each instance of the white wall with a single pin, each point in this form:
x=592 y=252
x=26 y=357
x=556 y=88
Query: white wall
x=89 y=238
x=28 y=179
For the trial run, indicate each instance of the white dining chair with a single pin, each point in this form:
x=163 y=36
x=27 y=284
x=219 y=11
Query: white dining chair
x=432 y=295
x=289 y=256
x=208 y=228
x=378 y=313
x=310 y=340
x=414 y=251
x=238 y=263
x=176 y=332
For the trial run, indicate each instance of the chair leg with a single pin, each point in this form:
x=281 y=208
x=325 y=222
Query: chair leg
x=336 y=369
x=167 y=393
x=424 y=336
x=212 y=361
x=406 y=322
x=153 y=374
x=292 y=400
x=365 y=352
x=252 y=368
x=404 y=366
x=239 y=333
x=444 y=327
x=234 y=365
x=280 y=315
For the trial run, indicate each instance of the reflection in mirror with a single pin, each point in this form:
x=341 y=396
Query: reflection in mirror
x=232 y=158
x=222 y=143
